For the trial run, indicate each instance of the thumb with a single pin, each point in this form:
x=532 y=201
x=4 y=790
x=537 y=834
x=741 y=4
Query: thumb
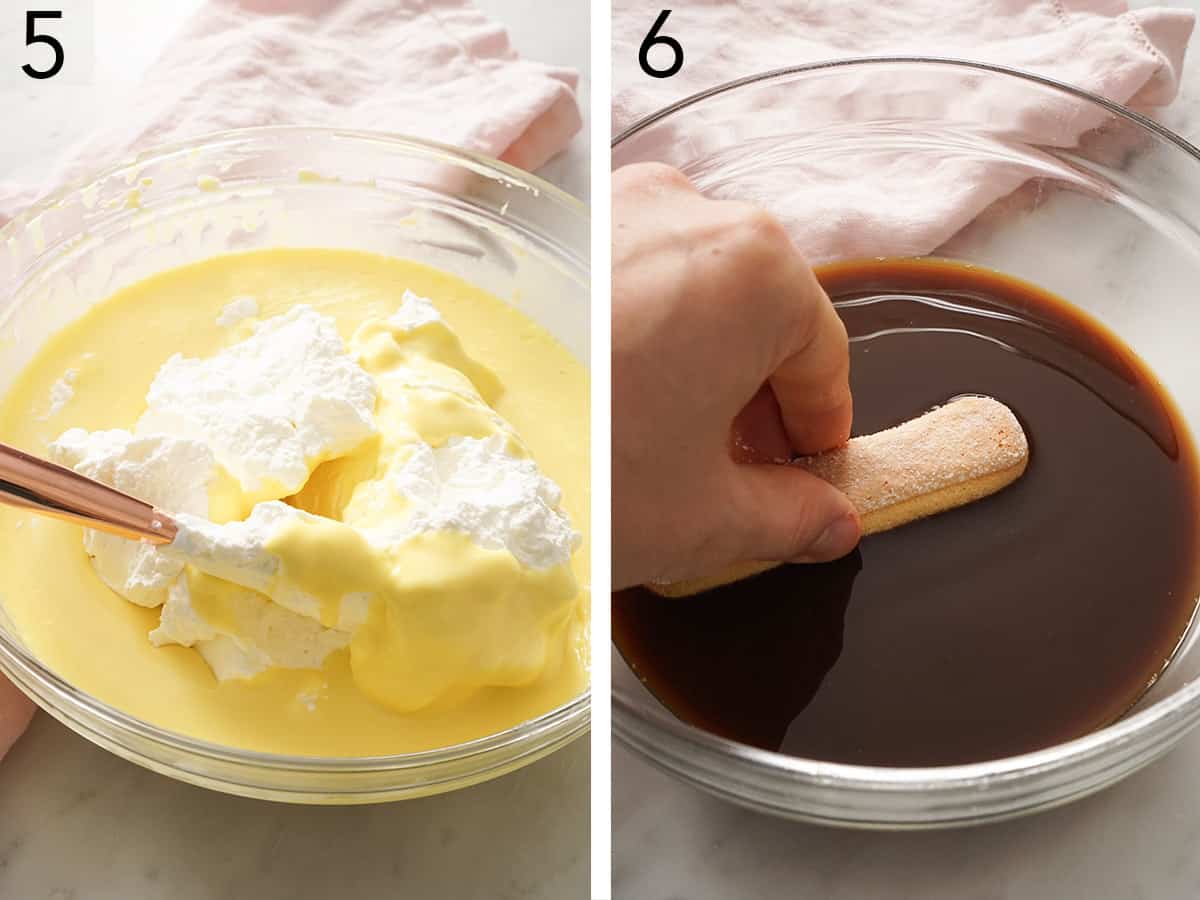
x=786 y=514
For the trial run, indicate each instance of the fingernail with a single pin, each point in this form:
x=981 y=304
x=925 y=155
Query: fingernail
x=839 y=538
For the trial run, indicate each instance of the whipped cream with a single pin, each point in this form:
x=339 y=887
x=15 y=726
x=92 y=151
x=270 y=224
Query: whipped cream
x=237 y=552
x=171 y=473
x=414 y=312
x=270 y=407
x=249 y=425
x=469 y=485
x=474 y=486
x=61 y=392
x=262 y=635
x=237 y=310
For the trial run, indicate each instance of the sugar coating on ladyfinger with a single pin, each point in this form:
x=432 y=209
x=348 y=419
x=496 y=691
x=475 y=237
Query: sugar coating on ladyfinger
x=953 y=455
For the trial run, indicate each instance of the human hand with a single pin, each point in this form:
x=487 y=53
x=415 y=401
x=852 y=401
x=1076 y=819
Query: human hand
x=727 y=357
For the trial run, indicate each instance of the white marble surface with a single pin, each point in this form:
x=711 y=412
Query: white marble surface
x=76 y=822
x=1138 y=839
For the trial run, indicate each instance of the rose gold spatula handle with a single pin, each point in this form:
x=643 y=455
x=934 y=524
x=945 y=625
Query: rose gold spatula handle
x=45 y=487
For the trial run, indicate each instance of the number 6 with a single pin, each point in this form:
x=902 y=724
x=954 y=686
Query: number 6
x=655 y=38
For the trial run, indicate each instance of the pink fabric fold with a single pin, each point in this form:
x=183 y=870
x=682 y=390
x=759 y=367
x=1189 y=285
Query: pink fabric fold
x=437 y=69
x=1133 y=57
x=15 y=712
x=897 y=203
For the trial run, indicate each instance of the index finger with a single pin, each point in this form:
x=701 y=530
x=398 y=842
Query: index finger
x=812 y=383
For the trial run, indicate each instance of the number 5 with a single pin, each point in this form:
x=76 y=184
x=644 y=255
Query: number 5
x=32 y=37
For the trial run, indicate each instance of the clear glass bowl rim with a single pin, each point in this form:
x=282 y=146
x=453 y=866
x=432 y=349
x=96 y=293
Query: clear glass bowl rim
x=1179 y=710
x=574 y=715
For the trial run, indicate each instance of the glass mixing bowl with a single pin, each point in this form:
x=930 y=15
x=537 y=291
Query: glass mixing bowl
x=1097 y=203
x=499 y=228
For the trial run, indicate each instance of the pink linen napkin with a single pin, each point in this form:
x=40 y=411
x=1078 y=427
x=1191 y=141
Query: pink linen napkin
x=902 y=205
x=15 y=712
x=437 y=69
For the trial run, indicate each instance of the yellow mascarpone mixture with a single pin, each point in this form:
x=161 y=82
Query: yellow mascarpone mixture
x=455 y=640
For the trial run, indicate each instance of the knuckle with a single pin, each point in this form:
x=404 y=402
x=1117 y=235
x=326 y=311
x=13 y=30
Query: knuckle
x=825 y=398
x=803 y=530
x=758 y=227
x=650 y=176
x=814 y=321
x=760 y=240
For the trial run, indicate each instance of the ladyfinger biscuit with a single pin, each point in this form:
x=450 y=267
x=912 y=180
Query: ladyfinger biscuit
x=951 y=456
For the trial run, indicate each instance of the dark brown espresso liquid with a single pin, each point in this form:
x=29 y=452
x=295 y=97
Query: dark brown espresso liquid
x=1028 y=618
